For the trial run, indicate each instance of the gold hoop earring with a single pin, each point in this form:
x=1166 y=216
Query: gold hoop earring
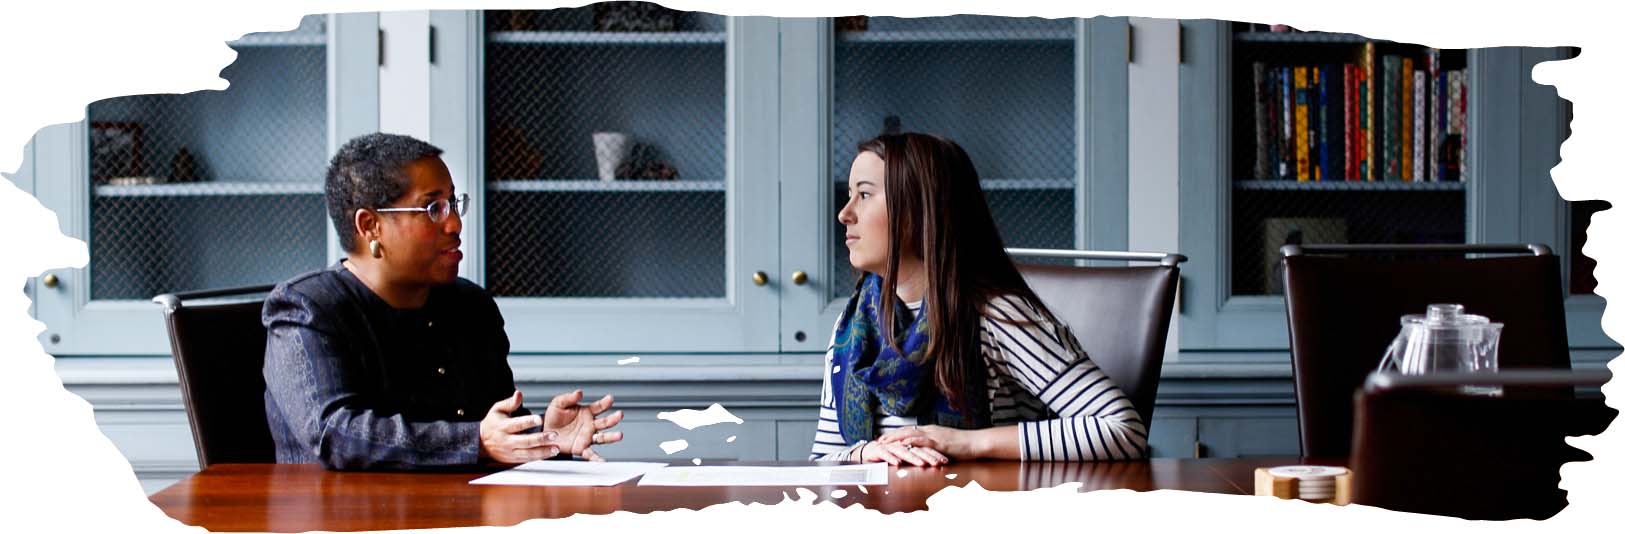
x=377 y=248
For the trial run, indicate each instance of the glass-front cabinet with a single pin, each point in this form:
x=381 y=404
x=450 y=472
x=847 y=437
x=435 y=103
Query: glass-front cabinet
x=664 y=181
x=655 y=181
x=628 y=178
x=209 y=189
x=1297 y=137
x=644 y=179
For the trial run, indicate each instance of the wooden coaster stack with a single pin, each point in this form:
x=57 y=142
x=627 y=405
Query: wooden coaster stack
x=1313 y=483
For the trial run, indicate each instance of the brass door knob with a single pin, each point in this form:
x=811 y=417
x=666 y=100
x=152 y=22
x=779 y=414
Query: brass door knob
x=799 y=277
x=760 y=278
x=50 y=280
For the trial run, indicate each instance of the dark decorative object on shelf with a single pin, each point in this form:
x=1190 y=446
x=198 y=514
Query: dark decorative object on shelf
x=633 y=17
x=517 y=21
x=657 y=170
x=183 y=167
x=851 y=24
x=645 y=163
x=512 y=157
x=115 y=151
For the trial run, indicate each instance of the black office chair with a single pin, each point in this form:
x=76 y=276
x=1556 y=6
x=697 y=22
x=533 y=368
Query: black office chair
x=1120 y=315
x=219 y=350
x=1422 y=446
x=1343 y=305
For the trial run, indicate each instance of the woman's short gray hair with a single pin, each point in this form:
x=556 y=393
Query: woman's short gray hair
x=369 y=172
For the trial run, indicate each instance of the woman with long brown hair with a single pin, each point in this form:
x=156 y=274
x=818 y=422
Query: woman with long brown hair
x=943 y=352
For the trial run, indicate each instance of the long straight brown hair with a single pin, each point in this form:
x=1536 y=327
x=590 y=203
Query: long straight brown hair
x=937 y=211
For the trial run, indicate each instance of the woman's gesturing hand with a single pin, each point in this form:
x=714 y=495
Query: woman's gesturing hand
x=503 y=438
x=578 y=427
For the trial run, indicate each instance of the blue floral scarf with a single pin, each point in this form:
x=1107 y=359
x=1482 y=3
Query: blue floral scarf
x=873 y=380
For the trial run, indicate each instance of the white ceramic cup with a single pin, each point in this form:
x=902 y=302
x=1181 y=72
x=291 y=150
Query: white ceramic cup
x=610 y=148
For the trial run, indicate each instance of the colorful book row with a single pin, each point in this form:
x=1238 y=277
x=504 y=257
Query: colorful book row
x=1387 y=118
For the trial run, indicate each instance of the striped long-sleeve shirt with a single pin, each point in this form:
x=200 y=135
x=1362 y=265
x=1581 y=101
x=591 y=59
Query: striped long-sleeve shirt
x=1039 y=379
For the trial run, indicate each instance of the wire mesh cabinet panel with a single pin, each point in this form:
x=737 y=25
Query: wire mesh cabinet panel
x=629 y=181
x=177 y=192
x=1003 y=88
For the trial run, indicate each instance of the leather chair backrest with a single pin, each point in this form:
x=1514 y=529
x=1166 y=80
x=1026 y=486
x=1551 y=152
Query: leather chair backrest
x=1120 y=316
x=219 y=352
x=1343 y=311
x=1436 y=451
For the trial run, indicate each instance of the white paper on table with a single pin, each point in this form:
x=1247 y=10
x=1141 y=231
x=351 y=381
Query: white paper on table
x=569 y=473
x=745 y=475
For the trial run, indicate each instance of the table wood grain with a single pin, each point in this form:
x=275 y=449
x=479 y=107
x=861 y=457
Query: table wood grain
x=304 y=497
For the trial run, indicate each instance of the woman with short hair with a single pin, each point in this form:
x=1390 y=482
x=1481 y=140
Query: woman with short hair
x=387 y=359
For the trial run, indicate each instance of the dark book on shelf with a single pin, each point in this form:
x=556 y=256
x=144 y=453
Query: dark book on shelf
x=1406 y=117
x=1261 y=123
x=1434 y=124
x=1331 y=119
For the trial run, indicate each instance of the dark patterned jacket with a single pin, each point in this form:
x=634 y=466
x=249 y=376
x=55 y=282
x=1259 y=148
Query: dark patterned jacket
x=353 y=383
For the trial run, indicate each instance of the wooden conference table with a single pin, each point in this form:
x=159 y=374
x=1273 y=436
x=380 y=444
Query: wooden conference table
x=297 y=498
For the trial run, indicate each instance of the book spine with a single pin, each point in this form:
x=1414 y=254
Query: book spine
x=1443 y=125
x=1334 y=113
x=1326 y=126
x=1368 y=110
x=1351 y=124
x=1419 y=123
x=1407 y=120
x=1300 y=122
x=1453 y=143
x=1288 y=145
x=1261 y=156
x=1272 y=120
x=1317 y=133
x=1390 y=119
x=1434 y=83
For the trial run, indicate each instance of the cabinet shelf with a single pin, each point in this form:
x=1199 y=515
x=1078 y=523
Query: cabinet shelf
x=208 y=189
x=278 y=40
x=1287 y=185
x=958 y=37
x=614 y=38
x=642 y=186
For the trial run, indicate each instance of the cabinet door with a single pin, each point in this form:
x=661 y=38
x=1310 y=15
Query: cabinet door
x=1524 y=185
x=209 y=189
x=1005 y=89
x=1266 y=160
x=627 y=171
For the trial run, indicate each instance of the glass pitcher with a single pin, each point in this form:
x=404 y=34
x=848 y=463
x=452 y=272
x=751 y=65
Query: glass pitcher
x=1445 y=340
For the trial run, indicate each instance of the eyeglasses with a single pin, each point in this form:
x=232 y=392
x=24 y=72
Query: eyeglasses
x=439 y=209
